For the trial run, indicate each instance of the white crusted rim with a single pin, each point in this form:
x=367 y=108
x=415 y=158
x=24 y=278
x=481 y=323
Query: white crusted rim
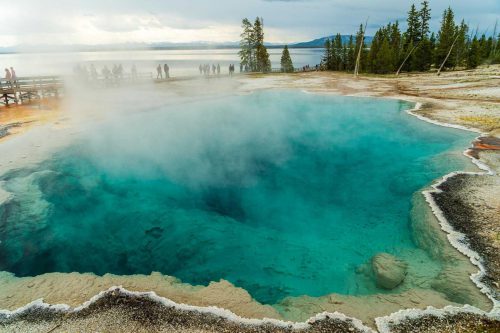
x=456 y=238
x=223 y=313
x=384 y=323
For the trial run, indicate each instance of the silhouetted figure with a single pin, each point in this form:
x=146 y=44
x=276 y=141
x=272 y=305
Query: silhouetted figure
x=14 y=76
x=201 y=69
x=106 y=73
x=8 y=76
x=159 y=75
x=218 y=69
x=241 y=68
x=167 y=71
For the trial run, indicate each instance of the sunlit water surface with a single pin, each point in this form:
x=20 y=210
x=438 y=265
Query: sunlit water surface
x=281 y=193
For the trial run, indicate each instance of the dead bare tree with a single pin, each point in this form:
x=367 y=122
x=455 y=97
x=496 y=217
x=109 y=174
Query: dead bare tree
x=494 y=50
x=447 y=56
x=358 y=58
x=406 y=59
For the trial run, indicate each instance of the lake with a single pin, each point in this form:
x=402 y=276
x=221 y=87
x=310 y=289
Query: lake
x=181 y=62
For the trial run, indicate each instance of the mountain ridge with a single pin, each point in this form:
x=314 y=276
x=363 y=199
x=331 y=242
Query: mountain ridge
x=198 y=45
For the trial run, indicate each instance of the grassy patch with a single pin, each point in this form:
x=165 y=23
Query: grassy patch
x=487 y=122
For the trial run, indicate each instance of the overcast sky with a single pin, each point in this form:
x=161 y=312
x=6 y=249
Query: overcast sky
x=117 y=21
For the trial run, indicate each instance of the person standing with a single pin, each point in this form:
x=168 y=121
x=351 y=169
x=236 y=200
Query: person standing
x=167 y=71
x=201 y=69
x=8 y=76
x=218 y=69
x=13 y=76
x=159 y=74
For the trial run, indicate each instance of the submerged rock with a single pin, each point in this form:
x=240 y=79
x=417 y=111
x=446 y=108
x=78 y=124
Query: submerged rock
x=389 y=271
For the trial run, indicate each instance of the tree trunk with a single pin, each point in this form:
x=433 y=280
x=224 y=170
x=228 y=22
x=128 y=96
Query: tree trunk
x=447 y=56
x=404 y=61
x=358 y=59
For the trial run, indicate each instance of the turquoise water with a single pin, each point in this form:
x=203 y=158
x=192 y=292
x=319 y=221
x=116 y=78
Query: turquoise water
x=281 y=193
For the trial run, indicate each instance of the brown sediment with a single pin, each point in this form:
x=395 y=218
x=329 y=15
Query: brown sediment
x=17 y=118
x=483 y=143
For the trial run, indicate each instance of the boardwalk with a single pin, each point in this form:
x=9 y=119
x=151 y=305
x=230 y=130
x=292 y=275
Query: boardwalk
x=26 y=89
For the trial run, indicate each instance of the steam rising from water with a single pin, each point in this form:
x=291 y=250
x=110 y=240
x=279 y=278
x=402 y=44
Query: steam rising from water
x=278 y=192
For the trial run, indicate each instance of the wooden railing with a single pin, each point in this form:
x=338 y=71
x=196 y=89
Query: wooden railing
x=29 y=88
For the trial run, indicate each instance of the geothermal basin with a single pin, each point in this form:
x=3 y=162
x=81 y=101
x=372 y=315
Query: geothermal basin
x=282 y=193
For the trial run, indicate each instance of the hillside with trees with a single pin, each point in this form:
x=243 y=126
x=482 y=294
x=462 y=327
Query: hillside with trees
x=416 y=49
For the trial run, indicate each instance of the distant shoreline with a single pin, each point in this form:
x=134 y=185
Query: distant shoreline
x=167 y=48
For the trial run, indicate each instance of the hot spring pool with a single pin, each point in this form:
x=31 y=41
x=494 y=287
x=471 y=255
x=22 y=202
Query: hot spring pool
x=282 y=193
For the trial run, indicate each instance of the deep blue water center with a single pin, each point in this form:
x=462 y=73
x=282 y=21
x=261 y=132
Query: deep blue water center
x=281 y=193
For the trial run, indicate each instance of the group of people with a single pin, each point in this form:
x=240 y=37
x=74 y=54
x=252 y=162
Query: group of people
x=215 y=69
x=11 y=77
x=308 y=68
x=231 y=70
x=205 y=69
x=115 y=74
x=159 y=72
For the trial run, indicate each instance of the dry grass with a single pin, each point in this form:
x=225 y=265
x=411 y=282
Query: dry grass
x=489 y=123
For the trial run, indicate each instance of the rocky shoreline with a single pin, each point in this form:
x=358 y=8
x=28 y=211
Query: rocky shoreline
x=117 y=311
x=463 y=216
x=120 y=311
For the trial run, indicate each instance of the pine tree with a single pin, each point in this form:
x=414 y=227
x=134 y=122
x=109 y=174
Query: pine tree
x=422 y=58
x=257 y=41
x=414 y=30
x=350 y=60
x=383 y=58
x=446 y=37
x=263 y=61
x=462 y=44
x=374 y=50
x=425 y=17
x=286 y=61
x=485 y=47
x=432 y=43
x=474 y=54
x=337 y=53
x=327 y=57
x=412 y=37
x=396 y=44
x=246 y=45
x=253 y=53
x=332 y=65
x=344 y=57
